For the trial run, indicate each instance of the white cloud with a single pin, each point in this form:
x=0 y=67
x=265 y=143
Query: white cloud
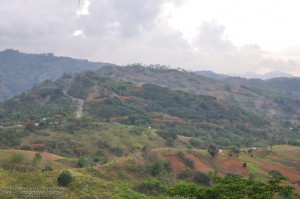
x=77 y=33
x=83 y=8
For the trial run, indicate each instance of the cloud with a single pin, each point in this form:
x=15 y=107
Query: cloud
x=123 y=32
x=84 y=8
x=211 y=39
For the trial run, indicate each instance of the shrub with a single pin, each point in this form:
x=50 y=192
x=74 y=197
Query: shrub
x=244 y=164
x=185 y=173
x=195 y=142
x=47 y=168
x=81 y=162
x=151 y=186
x=202 y=178
x=159 y=167
x=275 y=174
x=65 y=178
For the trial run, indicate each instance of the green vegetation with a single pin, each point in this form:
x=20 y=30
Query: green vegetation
x=151 y=186
x=213 y=150
x=201 y=178
x=233 y=187
x=19 y=72
x=64 y=178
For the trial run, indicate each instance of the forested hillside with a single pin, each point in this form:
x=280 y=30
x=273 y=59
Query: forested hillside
x=262 y=99
x=172 y=112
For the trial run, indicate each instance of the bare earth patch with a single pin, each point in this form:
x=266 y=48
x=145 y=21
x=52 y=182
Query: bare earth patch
x=199 y=164
x=231 y=165
x=176 y=163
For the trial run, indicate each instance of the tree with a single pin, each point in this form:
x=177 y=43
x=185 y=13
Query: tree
x=235 y=151
x=65 y=178
x=213 y=150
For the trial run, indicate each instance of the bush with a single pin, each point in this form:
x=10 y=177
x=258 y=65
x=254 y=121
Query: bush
x=275 y=174
x=65 y=178
x=81 y=162
x=195 y=142
x=201 y=178
x=47 y=168
x=244 y=164
x=151 y=186
x=185 y=173
x=160 y=166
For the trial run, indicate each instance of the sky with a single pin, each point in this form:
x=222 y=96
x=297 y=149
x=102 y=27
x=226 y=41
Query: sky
x=225 y=36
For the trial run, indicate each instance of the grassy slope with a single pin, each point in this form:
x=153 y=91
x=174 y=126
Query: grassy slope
x=109 y=181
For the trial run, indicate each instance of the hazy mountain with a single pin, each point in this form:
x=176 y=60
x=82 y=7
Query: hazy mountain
x=211 y=74
x=269 y=75
x=20 y=71
x=282 y=84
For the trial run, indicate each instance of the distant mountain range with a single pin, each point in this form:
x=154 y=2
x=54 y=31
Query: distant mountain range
x=248 y=75
x=20 y=71
x=269 y=75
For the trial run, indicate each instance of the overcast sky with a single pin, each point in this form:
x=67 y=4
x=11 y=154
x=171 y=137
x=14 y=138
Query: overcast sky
x=226 y=36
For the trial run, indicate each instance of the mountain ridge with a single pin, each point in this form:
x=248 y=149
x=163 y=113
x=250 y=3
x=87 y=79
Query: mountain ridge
x=21 y=71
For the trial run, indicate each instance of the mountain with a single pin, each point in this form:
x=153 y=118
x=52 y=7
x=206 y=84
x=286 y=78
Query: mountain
x=264 y=100
x=172 y=112
x=212 y=75
x=266 y=76
x=20 y=71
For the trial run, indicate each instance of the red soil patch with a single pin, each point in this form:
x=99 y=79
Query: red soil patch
x=198 y=164
x=292 y=174
x=176 y=163
x=231 y=165
x=44 y=155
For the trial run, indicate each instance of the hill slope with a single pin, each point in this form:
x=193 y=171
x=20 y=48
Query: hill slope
x=263 y=99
